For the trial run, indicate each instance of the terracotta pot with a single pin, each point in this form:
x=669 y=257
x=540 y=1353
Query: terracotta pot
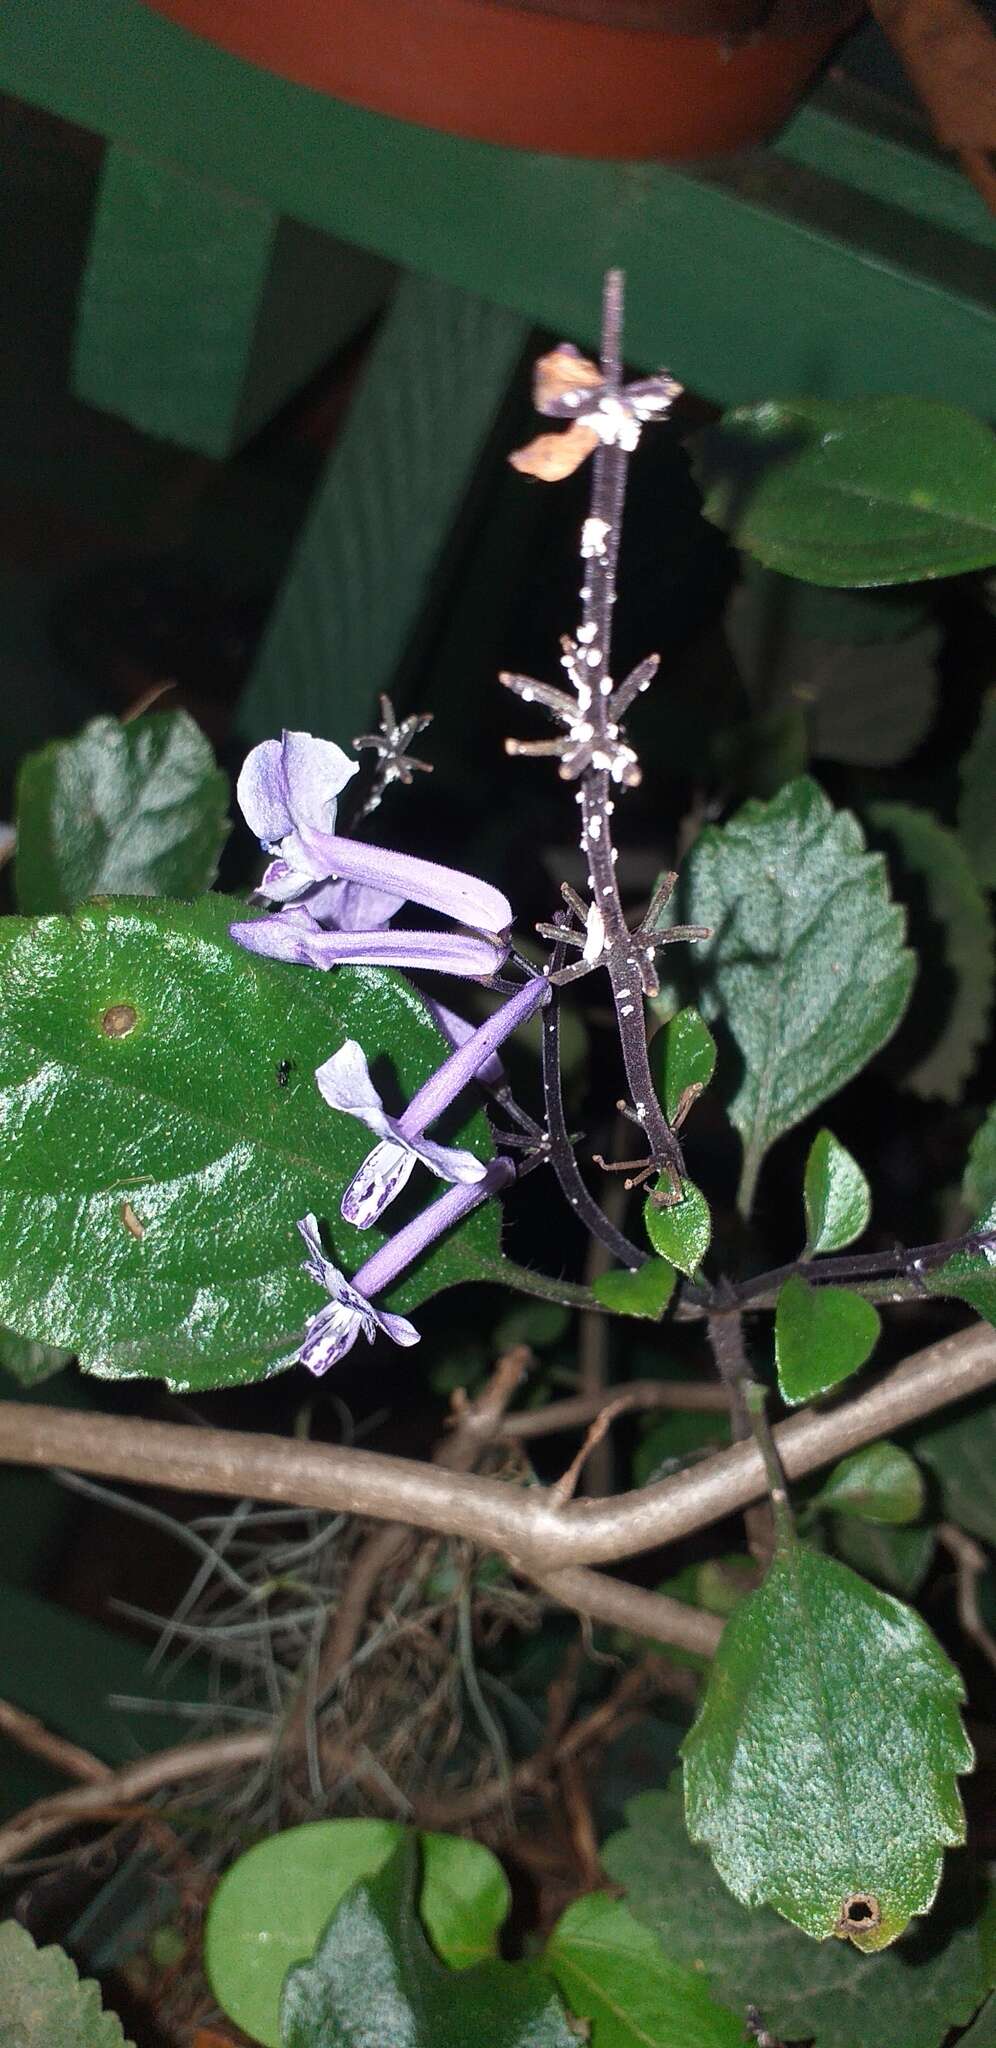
x=600 y=78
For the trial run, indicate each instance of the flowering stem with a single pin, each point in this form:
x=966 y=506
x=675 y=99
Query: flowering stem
x=562 y=1158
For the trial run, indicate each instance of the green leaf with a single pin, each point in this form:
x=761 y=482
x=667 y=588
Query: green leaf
x=881 y=1483
x=821 y=1770
x=907 y=1996
x=853 y=491
x=822 y=1335
x=270 y=1908
x=978 y=1188
x=126 y=810
x=152 y=1181
x=28 y=1361
x=717 y=1586
x=960 y=1451
x=928 y=861
x=681 y=1233
x=667 y=1444
x=807 y=967
x=682 y=1057
x=837 y=1196
x=970 y=1276
x=614 y=1974
x=645 y=1292
x=374 y=1979
x=45 y=2003
x=976 y=809
x=983 y=2033
x=898 y=1559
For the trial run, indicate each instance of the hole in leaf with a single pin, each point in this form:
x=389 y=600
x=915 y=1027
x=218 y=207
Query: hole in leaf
x=119 y=1020
x=861 y=1912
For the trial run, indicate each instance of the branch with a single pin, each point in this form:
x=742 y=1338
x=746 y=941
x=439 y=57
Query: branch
x=693 y=1397
x=521 y=1523
x=127 y=1788
x=32 y=1735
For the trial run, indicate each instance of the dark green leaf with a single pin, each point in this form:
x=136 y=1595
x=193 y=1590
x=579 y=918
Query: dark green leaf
x=152 y=1181
x=822 y=1335
x=977 y=809
x=807 y=967
x=786 y=609
x=271 y=1906
x=908 y=1996
x=881 y=1483
x=29 y=1361
x=120 y=810
x=837 y=1196
x=931 y=856
x=643 y=1293
x=821 y=1771
x=536 y=1323
x=374 y=1980
x=853 y=491
x=44 y=2003
x=614 y=1974
x=898 y=1559
x=982 y=2034
x=971 y=1276
x=961 y=1452
x=681 y=1233
x=667 y=1444
x=682 y=1057
x=978 y=1187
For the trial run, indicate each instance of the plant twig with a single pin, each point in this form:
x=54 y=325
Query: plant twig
x=117 y=1795
x=683 y=1396
x=32 y=1735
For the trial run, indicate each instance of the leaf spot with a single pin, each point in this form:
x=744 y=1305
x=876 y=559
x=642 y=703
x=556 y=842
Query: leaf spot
x=131 y=1221
x=119 y=1020
x=860 y=1913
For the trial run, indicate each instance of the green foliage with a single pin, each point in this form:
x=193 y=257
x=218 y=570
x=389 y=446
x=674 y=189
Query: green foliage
x=374 y=1978
x=907 y=1996
x=270 y=1908
x=44 y=2003
x=926 y=854
x=646 y=1292
x=898 y=1559
x=681 y=1233
x=120 y=810
x=614 y=1974
x=976 y=808
x=856 y=491
x=979 y=1184
x=960 y=1450
x=821 y=1770
x=152 y=1180
x=837 y=1196
x=970 y=1276
x=807 y=967
x=880 y=1483
x=666 y=1444
x=822 y=1335
x=28 y=1361
x=682 y=1057
x=982 y=2033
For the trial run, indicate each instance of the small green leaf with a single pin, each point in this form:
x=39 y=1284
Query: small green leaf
x=939 y=1045
x=907 y=1996
x=374 y=1979
x=681 y=1234
x=978 y=1188
x=153 y=1168
x=822 y=1335
x=682 y=1057
x=807 y=968
x=45 y=2003
x=643 y=1293
x=271 y=1906
x=28 y=1361
x=853 y=491
x=821 y=1770
x=120 y=810
x=960 y=1451
x=613 y=1973
x=976 y=809
x=898 y=1559
x=837 y=1196
x=881 y=1483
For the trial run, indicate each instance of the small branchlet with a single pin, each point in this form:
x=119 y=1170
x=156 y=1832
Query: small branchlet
x=390 y=744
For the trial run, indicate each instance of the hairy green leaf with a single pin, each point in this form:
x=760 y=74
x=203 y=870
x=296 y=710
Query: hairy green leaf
x=822 y=1335
x=898 y=1559
x=977 y=808
x=907 y=1996
x=950 y=1021
x=614 y=1974
x=821 y=1771
x=880 y=1483
x=978 y=1186
x=29 y=1361
x=374 y=1979
x=271 y=1906
x=681 y=1234
x=853 y=491
x=682 y=1058
x=44 y=2003
x=645 y=1292
x=960 y=1451
x=837 y=1196
x=122 y=810
x=153 y=1169
x=807 y=967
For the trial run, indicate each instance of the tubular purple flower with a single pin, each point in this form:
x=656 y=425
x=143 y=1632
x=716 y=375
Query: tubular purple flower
x=349 y=1311
x=294 y=934
x=456 y=1032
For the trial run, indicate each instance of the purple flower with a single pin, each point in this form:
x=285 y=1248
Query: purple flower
x=345 y=1083
x=294 y=934
x=287 y=793
x=349 y=1311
